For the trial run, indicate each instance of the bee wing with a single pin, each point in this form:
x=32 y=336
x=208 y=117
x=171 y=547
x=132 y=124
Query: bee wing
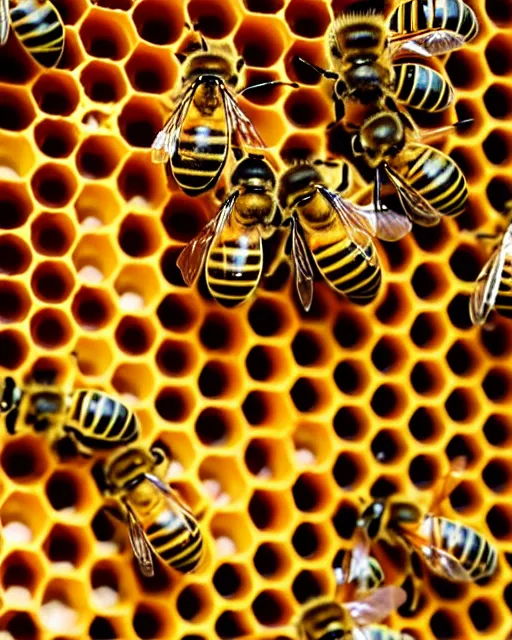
x=414 y=204
x=174 y=503
x=488 y=283
x=428 y=43
x=302 y=265
x=140 y=545
x=239 y=123
x=377 y=606
x=445 y=564
x=4 y=21
x=191 y=259
x=166 y=141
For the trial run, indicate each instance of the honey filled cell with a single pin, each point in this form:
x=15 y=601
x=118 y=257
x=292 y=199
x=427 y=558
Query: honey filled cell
x=277 y=420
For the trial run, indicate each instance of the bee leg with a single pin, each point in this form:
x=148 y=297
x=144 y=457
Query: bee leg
x=377 y=188
x=270 y=83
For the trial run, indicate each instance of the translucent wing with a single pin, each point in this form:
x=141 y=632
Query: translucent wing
x=173 y=502
x=140 y=545
x=239 y=123
x=444 y=564
x=191 y=259
x=377 y=606
x=4 y=21
x=414 y=204
x=302 y=265
x=428 y=43
x=166 y=141
x=488 y=283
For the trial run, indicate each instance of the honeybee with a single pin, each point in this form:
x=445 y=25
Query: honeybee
x=197 y=137
x=428 y=182
x=158 y=520
x=450 y=549
x=232 y=243
x=493 y=286
x=337 y=233
x=92 y=420
x=37 y=25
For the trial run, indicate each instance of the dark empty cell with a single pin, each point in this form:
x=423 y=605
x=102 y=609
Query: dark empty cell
x=458 y=312
x=11 y=304
x=306 y=494
x=349 y=330
x=423 y=378
x=57 y=96
x=157 y=22
x=53 y=185
x=19 y=461
x=496 y=385
x=50 y=285
x=496 y=475
x=422 y=424
x=264 y=6
x=347 y=378
x=49 y=238
x=214 y=18
x=383 y=488
x=498 y=101
x=461 y=498
x=226 y=580
x=135 y=181
x=94 y=160
x=442 y=626
x=132 y=336
x=346 y=471
x=211 y=427
x=499 y=521
x=62 y=546
x=496 y=430
x=267 y=609
x=103 y=527
x=17 y=573
x=14 y=211
x=213 y=380
x=499 y=12
x=182 y=219
x=458 y=405
x=424 y=281
x=499 y=192
x=495 y=148
x=258 y=364
x=15 y=113
x=264 y=318
x=12 y=349
x=174 y=314
x=459 y=447
x=496 y=339
x=170 y=269
x=48 y=329
x=172 y=358
x=481 y=615
x=305 y=540
x=135 y=237
x=304 y=395
x=459 y=359
x=307 y=19
x=255 y=408
x=90 y=310
x=384 y=446
x=384 y=355
x=429 y=239
x=349 y=424
x=498 y=56
x=14 y=255
x=101 y=629
x=388 y=310
x=384 y=401
x=260 y=510
x=21 y=626
x=303 y=111
x=460 y=70
x=228 y=626
x=344 y=521
x=215 y=333
x=140 y=131
x=305 y=587
x=146 y=623
x=62 y=491
x=422 y=471
x=256 y=457
x=306 y=349
x=445 y=589
x=189 y=603
x=171 y=405
x=266 y=560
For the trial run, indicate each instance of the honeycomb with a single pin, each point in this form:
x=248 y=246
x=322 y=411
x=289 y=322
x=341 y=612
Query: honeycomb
x=279 y=421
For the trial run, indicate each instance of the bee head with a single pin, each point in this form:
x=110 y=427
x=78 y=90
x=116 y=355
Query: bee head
x=254 y=171
x=297 y=180
x=371 y=519
x=10 y=395
x=381 y=136
x=128 y=468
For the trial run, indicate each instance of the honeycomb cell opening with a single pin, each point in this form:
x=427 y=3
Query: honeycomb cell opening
x=52 y=282
x=15 y=255
x=20 y=462
x=177 y=313
x=260 y=41
x=347 y=471
x=307 y=18
x=106 y=38
x=14 y=302
x=304 y=110
x=56 y=93
x=306 y=587
x=270 y=608
x=65 y=545
x=19 y=625
x=13 y=349
x=16 y=110
x=135 y=335
x=141 y=184
x=55 y=138
x=15 y=206
x=498 y=101
x=150 y=70
x=103 y=82
x=158 y=22
x=53 y=185
x=51 y=328
x=213 y=19
x=98 y=157
x=139 y=122
x=173 y=404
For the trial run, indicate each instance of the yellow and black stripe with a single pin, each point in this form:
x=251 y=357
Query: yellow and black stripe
x=178 y=541
x=422 y=88
x=348 y=271
x=100 y=422
x=233 y=272
x=436 y=177
x=40 y=30
x=417 y=15
x=503 y=302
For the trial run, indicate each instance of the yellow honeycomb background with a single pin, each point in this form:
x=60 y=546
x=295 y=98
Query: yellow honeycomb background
x=284 y=419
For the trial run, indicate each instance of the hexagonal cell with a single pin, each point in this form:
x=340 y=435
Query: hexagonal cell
x=53 y=185
x=14 y=166
x=62 y=606
x=232 y=581
x=389 y=355
x=311 y=492
x=309 y=395
x=270 y=510
x=174 y=404
x=13 y=348
x=305 y=108
x=19 y=625
x=139 y=235
x=15 y=302
x=219 y=379
x=170 y=270
x=485 y=616
x=177 y=312
x=271 y=608
x=498 y=101
x=351 y=329
x=24 y=519
x=15 y=255
x=99 y=156
x=426 y=425
x=68 y=492
x=268 y=318
x=232 y=534
x=51 y=328
x=215 y=19
x=463 y=358
x=424 y=470
x=498 y=57
x=16 y=109
x=499 y=521
x=21 y=575
x=152 y=621
x=266 y=95
x=106 y=38
x=94 y=355
x=498 y=192
x=66 y=547
x=222 y=479
x=351 y=377
x=56 y=138
x=218 y=427
x=103 y=81
x=139 y=122
x=429 y=281
x=56 y=93
x=194 y=603
x=230 y=624
x=94 y=258
x=52 y=281
x=427 y=331
x=157 y=22
x=184 y=217
x=268 y=459
x=137 y=287
x=92 y=308
x=106 y=579
x=498 y=430
x=388 y=446
x=15 y=205
x=151 y=69
x=135 y=335
x=350 y=423
x=497 y=147
x=266 y=363
x=307 y=19
x=88 y=211
x=219 y=333
x=427 y=378
x=133 y=383
x=24 y=460
x=349 y=471
x=266 y=408
x=497 y=384
x=260 y=40
x=308 y=585
x=142 y=184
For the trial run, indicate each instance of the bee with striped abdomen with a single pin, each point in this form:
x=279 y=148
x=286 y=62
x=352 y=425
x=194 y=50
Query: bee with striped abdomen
x=493 y=287
x=337 y=233
x=231 y=245
x=158 y=520
x=428 y=182
x=207 y=120
x=450 y=549
x=92 y=420
x=37 y=25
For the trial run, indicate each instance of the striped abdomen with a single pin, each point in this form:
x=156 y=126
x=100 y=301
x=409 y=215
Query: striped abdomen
x=344 y=267
x=233 y=270
x=178 y=541
x=325 y=620
x=436 y=177
x=453 y=15
x=39 y=28
x=471 y=549
x=503 y=302
x=421 y=87
x=100 y=422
